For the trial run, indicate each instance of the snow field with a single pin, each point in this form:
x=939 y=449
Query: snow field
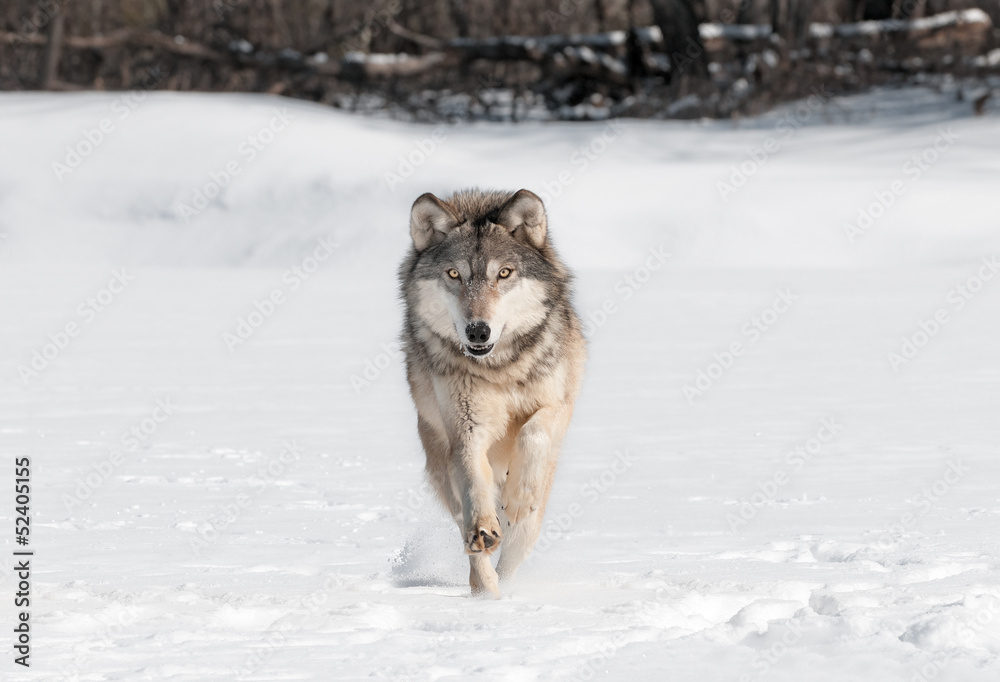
x=783 y=464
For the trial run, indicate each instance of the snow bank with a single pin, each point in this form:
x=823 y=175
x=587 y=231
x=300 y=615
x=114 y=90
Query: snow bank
x=194 y=179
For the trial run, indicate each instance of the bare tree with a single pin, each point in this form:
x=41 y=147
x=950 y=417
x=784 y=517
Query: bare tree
x=678 y=22
x=48 y=74
x=800 y=12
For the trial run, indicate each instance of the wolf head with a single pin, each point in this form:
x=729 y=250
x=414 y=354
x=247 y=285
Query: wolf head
x=483 y=274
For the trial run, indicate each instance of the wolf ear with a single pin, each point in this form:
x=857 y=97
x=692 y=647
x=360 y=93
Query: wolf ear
x=524 y=216
x=430 y=221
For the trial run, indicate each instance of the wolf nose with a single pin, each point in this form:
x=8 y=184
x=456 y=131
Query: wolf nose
x=478 y=332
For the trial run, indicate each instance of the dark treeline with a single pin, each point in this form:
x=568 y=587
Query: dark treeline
x=441 y=58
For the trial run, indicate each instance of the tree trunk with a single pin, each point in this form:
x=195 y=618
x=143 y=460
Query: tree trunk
x=678 y=22
x=744 y=14
x=48 y=73
x=460 y=17
x=801 y=13
x=777 y=17
x=602 y=15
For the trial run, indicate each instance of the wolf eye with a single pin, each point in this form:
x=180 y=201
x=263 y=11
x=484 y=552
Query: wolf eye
x=505 y=273
x=453 y=273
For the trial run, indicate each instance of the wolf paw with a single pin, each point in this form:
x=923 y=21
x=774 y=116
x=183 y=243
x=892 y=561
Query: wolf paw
x=483 y=536
x=518 y=502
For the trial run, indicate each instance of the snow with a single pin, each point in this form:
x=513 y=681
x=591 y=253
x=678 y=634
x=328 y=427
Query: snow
x=212 y=507
x=931 y=23
x=380 y=59
x=965 y=16
x=992 y=58
x=734 y=31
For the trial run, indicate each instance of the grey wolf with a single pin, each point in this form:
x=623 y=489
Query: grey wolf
x=494 y=359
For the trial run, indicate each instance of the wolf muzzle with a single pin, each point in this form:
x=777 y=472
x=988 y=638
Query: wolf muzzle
x=477 y=334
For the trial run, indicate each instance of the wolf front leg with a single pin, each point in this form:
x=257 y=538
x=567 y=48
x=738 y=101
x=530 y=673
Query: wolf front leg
x=483 y=577
x=519 y=539
x=480 y=525
x=529 y=480
x=533 y=465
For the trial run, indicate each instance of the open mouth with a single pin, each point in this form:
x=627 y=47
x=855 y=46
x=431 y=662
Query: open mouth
x=478 y=351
